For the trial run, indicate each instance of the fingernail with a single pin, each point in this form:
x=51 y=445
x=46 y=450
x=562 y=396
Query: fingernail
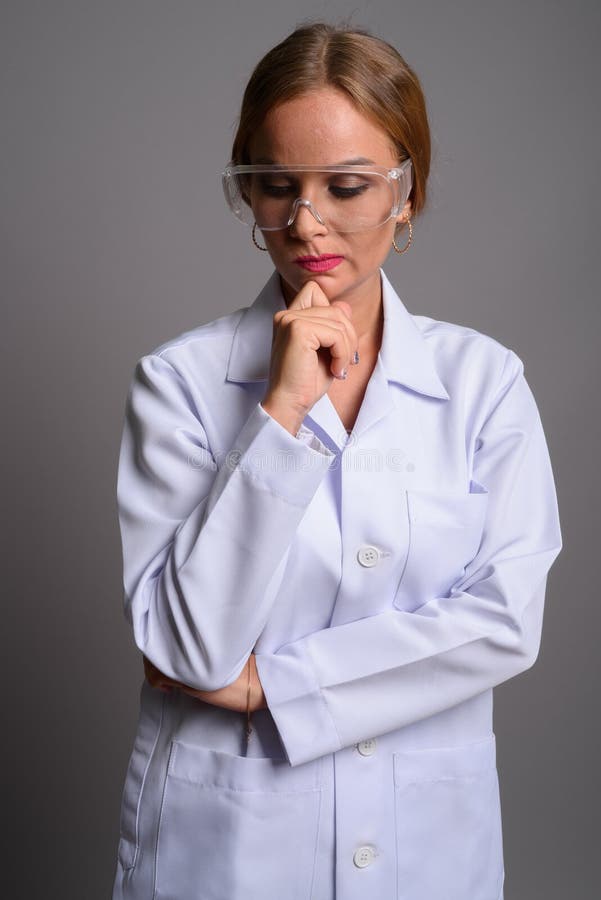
x=343 y=374
x=356 y=357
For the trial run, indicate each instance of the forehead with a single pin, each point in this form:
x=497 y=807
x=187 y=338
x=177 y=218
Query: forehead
x=321 y=128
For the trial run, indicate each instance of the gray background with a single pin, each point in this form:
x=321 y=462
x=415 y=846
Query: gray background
x=116 y=119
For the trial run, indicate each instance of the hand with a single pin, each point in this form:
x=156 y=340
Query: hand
x=232 y=696
x=313 y=342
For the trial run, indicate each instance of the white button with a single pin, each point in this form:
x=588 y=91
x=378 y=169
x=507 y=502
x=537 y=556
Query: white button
x=366 y=748
x=368 y=555
x=363 y=856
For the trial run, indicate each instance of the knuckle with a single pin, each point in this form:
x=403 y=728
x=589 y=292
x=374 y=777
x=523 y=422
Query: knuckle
x=295 y=325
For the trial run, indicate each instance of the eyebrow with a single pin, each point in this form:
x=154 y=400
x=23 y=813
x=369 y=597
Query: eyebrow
x=356 y=161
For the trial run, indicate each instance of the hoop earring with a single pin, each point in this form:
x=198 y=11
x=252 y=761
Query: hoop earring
x=409 y=242
x=255 y=240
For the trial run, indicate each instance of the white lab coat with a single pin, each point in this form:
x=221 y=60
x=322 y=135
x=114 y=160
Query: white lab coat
x=386 y=580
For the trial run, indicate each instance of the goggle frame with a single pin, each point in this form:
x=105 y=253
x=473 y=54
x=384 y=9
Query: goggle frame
x=397 y=176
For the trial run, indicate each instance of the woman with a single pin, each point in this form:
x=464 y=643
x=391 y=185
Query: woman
x=337 y=522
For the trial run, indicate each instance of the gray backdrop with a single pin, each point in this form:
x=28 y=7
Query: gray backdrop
x=116 y=120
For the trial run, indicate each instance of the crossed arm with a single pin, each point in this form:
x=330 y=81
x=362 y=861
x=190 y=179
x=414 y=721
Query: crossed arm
x=232 y=696
x=181 y=605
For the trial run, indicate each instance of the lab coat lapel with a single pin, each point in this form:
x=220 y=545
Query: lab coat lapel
x=404 y=359
x=250 y=353
x=405 y=355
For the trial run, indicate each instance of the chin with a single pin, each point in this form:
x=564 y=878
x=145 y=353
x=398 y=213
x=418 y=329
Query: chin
x=297 y=278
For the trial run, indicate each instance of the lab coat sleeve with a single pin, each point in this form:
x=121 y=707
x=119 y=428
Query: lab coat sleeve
x=360 y=679
x=204 y=539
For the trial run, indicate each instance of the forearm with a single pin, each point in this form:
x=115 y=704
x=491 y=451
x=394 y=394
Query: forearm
x=205 y=540
x=233 y=696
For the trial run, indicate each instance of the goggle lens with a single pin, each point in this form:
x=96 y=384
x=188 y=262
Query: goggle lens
x=353 y=198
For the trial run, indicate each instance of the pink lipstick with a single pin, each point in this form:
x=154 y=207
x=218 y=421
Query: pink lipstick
x=319 y=263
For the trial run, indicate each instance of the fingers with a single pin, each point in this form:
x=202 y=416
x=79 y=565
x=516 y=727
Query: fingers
x=333 y=335
x=149 y=670
x=156 y=678
x=331 y=316
x=323 y=327
x=348 y=309
x=312 y=297
x=309 y=295
x=298 y=369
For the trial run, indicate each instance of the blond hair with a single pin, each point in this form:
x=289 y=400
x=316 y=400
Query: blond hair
x=368 y=69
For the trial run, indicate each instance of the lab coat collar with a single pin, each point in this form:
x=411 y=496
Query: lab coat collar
x=404 y=357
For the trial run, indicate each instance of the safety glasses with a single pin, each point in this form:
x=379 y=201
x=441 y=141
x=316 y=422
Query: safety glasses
x=341 y=198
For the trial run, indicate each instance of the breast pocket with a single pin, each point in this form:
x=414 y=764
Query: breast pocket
x=448 y=823
x=445 y=532
x=233 y=826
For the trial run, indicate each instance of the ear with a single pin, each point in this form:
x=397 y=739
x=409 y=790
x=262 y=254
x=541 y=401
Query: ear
x=404 y=214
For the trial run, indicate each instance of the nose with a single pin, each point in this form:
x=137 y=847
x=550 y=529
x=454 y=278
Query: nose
x=305 y=220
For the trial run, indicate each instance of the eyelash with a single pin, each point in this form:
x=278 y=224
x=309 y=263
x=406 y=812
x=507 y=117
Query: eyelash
x=340 y=192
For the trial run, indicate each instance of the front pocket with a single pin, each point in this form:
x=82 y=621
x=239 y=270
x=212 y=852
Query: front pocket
x=448 y=823
x=236 y=827
x=445 y=532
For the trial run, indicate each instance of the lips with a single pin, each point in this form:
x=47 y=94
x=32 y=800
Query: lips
x=321 y=258
x=319 y=263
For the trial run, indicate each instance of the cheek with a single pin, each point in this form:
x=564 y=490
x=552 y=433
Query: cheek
x=374 y=244
x=275 y=241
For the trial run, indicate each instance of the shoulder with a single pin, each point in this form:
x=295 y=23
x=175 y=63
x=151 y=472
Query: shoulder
x=463 y=352
x=216 y=332
x=173 y=369
x=196 y=352
x=454 y=339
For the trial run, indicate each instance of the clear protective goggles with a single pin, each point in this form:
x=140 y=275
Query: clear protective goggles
x=341 y=198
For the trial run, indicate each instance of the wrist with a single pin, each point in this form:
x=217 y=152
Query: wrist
x=289 y=416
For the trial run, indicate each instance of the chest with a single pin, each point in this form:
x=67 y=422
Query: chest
x=347 y=396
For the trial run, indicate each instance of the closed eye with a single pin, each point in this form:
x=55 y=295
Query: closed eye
x=338 y=191
x=343 y=192
x=275 y=190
